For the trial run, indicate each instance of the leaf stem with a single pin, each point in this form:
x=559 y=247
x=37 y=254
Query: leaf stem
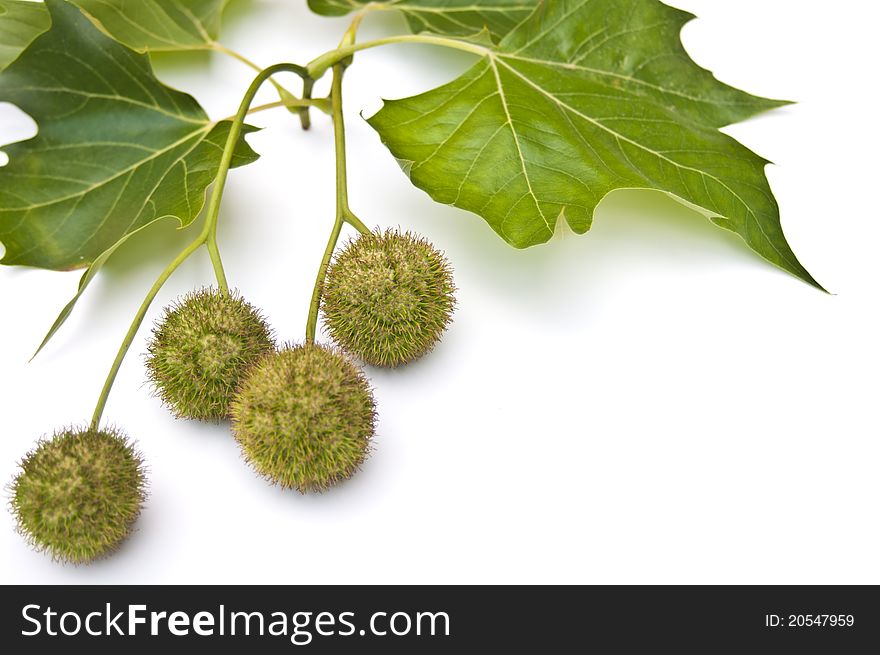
x=343 y=212
x=314 y=305
x=305 y=117
x=219 y=47
x=216 y=261
x=283 y=93
x=135 y=324
x=207 y=236
x=322 y=104
x=339 y=142
x=350 y=35
x=319 y=66
x=226 y=162
x=356 y=223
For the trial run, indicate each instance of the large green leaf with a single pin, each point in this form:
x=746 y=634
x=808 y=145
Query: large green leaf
x=164 y=25
x=449 y=17
x=143 y=25
x=20 y=23
x=158 y=25
x=581 y=99
x=116 y=149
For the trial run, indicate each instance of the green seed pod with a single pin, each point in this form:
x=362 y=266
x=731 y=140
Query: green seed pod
x=388 y=298
x=201 y=351
x=78 y=494
x=304 y=418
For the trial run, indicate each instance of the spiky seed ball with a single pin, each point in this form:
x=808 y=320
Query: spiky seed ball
x=201 y=351
x=304 y=417
x=388 y=298
x=78 y=493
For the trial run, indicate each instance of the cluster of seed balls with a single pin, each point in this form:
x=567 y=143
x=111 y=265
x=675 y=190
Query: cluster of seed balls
x=303 y=415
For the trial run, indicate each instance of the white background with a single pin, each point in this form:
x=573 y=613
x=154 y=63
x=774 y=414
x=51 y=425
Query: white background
x=648 y=403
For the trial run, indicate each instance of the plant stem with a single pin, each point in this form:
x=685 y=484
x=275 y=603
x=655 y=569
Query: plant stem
x=317 y=67
x=207 y=237
x=135 y=324
x=305 y=117
x=283 y=93
x=339 y=143
x=219 y=47
x=226 y=162
x=350 y=35
x=356 y=223
x=343 y=212
x=322 y=104
x=315 y=304
x=217 y=263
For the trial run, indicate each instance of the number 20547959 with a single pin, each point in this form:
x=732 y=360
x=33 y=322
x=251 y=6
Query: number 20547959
x=809 y=620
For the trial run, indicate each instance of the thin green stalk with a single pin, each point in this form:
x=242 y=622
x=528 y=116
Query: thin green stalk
x=350 y=35
x=339 y=143
x=207 y=236
x=315 y=304
x=343 y=212
x=219 y=47
x=136 y=323
x=216 y=262
x=305 y=117
x=322 y=104
x=226 y=162
x=356 y=223
x=317 y=67
x=283 y=93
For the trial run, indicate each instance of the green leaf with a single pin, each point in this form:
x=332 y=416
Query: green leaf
x=116 y=150
x=145 y=25
x=164 y=26
x=158 y=25
x=581 y=99
x=445 y=17
x=20 y=23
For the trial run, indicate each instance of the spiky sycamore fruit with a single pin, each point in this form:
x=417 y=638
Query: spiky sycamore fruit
x=388 y=298
x=78 y=493
x=304 y=417
x=201 y=351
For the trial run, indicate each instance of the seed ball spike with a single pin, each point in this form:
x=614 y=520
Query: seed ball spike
x=201 y=350
x=304 y=418
x=388 y=298
x=79 y=493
